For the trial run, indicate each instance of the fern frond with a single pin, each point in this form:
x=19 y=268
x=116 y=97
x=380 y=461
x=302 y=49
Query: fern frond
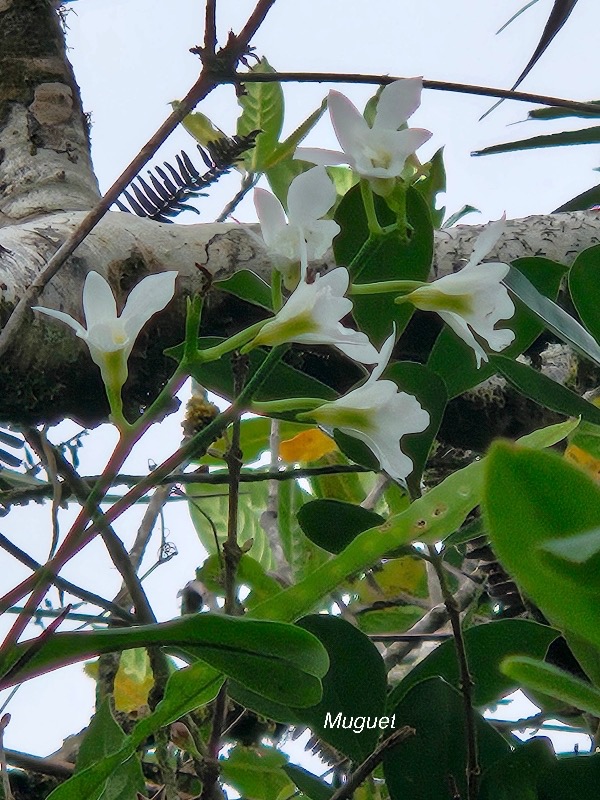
x=165 y=191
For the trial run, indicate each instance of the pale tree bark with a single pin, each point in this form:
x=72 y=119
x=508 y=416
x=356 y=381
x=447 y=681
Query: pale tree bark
x=47 y=185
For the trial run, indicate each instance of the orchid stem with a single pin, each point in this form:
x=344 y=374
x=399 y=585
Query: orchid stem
x=402 y=287
x=375 y=228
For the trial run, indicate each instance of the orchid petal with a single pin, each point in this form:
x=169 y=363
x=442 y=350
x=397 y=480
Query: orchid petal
x=310 y=196
x=397 y=102
x=320 y=156
x=461 y=329
x=384 y=357
x=98 y=300
x=77 y=327
x=270 y=215
x=320 y=236
x=486 y=241
x=350 y=126
x=148 y=297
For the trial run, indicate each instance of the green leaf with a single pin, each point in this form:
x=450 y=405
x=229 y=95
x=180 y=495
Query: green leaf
x=517 y=775
x=262 y=109
x=433 y=184
x=553 y=317
x=458 y=215
x=282 y=662
x=310 y=786
x=250 y=573
x=332 y=524
x=390 y=619
x=420 y=767
x=453 y=359
x=286 y=149
x=577 y=556
x=554 y=682
x=571 y=778
x=249 y=287
x=544 y=390
x=562 y=139
x=354 y=687
x=257 y=772
x=347 y=487
x=103 y=737
x=385 y=258
x=531 y=499
x=186 y=690
x=209 y=506
x=431 y=518
x=284 y=381
x=301 y=554
x=559 y=112
x=583 y=286
x=254 y=439
x=581 y=202
x=486 y=646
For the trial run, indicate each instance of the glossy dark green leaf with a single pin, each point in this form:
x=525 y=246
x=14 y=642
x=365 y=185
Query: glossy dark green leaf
x=581 y=202
x=387 y=258
x=332 y=524
x=544 y=390
x=430 y=391
x=530 y=499
x=559 y=112
x=249 y=287
x=562 y=139
x=354 y=687
x=454 y=360
x=284 y=380
x=486 y=646
x=559 y=14
x=257 y=772
x=421 y=767
x=584 y=279
x=356 y=451
x=571 y=778
x=390 y=619
x=554 y=318
x=517 y=774
x=103 y=737
x=262 y=110
x=310 y=786
x=282 y=662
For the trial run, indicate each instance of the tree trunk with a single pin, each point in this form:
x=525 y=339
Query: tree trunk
x=47 y=185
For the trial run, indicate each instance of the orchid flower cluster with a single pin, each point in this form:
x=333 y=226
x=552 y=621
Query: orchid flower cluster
x=377 y=413
x=470 y=302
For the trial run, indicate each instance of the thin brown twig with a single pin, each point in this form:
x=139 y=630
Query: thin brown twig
x=382 y=80
x=114 y=545
x=210 y=27
x=473 y=770
x=64 y=585
x=370 y=763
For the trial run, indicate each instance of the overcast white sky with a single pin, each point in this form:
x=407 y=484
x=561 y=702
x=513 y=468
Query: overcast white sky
x=131 y=58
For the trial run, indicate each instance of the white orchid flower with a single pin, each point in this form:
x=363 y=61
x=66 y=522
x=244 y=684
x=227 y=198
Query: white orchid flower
x=312 y=315
x=379 y=151
x=109 y=337
x=474 y=299
x=379 y=415
x=304 y=236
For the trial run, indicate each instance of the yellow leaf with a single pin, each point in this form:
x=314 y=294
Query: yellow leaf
x=306 y=446
x=397 y=576
x=133 y=680
x=583 y=459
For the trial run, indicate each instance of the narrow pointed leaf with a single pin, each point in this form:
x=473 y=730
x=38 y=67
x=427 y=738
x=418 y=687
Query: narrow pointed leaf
x=562 y=139
x=544 y=390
